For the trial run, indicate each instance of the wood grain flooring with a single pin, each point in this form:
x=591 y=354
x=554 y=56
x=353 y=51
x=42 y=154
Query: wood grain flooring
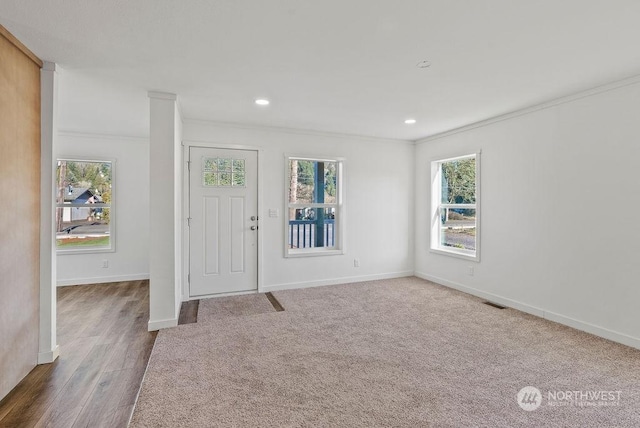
x=189 y=312
x=104 y=350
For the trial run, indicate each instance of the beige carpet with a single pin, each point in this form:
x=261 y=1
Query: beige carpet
x=401 y=352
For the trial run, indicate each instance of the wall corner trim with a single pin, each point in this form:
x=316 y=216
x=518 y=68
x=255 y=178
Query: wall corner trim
x=160 y=324
x=49 y=66
x=49 y=356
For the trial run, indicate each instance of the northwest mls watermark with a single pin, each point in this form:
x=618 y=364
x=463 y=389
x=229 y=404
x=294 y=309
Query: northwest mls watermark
x=530 y=398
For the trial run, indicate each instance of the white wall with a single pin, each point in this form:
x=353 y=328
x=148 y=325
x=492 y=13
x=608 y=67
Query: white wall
x=379 y=191
x=131 y=211
x=560 y=204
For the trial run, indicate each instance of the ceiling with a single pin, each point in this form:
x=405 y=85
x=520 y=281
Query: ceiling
x=344 y=66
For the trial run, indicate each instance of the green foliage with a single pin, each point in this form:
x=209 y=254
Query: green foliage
x=210 y=178
x=330 y=179
x=305 y=172
x=94 y=175
x=106 y=212
x=306 y=180
x=459 y=181
x=83 y=242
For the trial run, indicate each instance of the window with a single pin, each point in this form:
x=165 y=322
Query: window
x=313 y=206
x=454 y=206
x=223 y=172
x=84 y=210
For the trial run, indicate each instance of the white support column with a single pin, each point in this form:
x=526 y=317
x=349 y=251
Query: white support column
x=165 y=256
x=48 y=349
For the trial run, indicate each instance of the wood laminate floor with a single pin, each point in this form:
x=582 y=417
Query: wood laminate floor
x=104 y=350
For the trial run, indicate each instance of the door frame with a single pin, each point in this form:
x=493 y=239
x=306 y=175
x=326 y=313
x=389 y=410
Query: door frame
x=186 y=146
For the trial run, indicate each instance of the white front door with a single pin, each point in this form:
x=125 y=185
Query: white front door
x=223 y=211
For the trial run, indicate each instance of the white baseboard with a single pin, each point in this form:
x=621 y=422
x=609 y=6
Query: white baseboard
x=551 y=316
x=343 y=280
x=49 y=356
x=484 y=295
x=160 y=324
x=215 y=296
x=594 y=329
x=102 y=279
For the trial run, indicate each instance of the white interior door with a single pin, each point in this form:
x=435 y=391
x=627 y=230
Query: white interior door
x=223 y=211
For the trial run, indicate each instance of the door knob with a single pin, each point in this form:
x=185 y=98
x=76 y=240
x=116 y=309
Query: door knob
x=254 y=227
x=253 y=218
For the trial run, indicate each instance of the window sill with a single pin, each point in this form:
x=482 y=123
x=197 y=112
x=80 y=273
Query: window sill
x=458 y=254
x=313 y=253
x=85 y=251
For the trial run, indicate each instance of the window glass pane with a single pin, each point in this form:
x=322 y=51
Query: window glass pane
x=218 y=172
x=225 y=179
x=81 y=227
x=210 y=178
x=458 y=228
x=459 y=181
x=311 y=227
x=210 y=164
x=238 y=165
x=305 y=186
x=83 y=182
x=330 y=182
x=224 y=165
x=238 y=179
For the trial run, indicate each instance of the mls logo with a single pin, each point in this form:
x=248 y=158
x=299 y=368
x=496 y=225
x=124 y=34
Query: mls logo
x=529 y=398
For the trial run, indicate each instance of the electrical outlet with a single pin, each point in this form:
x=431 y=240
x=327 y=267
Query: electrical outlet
x=356 y=262
x=470 y=270
x=105 y=263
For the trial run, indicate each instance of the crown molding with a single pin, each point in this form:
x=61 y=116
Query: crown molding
x=295 y=131
x=96 y=136
x=607 y=87
x=18 y=44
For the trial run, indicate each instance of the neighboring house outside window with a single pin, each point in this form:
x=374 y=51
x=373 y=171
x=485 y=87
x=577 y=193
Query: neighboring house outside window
x=314 y=206
x=84 y=206
x=455 y=214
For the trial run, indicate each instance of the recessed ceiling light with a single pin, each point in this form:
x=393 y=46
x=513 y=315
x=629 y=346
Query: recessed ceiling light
x=410 y=121
x=423 y=64
x=262 y=102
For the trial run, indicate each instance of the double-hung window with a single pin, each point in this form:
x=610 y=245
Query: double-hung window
x=455 y=206
x=84 y=206
x=314 y=206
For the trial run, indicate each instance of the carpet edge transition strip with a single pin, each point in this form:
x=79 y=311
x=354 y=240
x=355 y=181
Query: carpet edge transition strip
x=274 y=302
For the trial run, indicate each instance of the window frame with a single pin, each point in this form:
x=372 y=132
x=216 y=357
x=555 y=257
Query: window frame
x=111 y=248
x=339 y=215
x=437 y=205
